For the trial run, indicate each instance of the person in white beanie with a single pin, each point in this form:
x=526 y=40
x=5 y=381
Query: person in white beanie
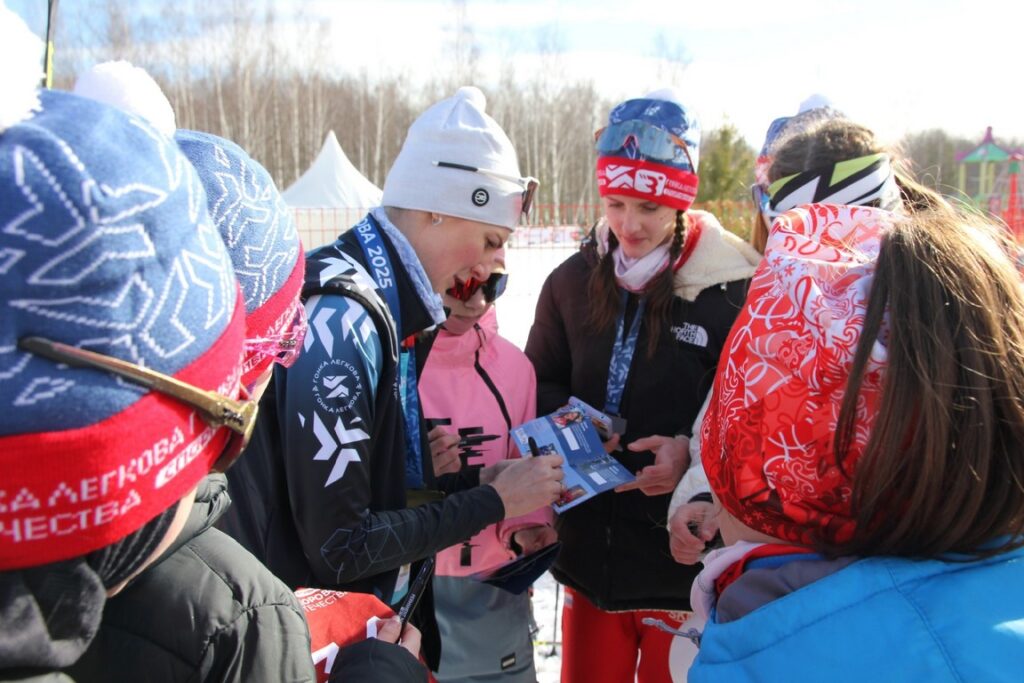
x=323 y=497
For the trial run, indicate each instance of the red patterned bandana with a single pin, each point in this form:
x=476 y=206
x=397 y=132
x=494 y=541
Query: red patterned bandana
x=769 y=430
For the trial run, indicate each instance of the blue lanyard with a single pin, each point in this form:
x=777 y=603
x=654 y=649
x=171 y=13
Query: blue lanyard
x=622 y=356
x=410 y=397
x=379 y=264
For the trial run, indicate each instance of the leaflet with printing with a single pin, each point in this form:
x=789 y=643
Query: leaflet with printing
x=570 y=432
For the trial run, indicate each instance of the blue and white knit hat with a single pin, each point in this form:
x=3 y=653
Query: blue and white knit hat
x=258 y=229
x=664 y=109
x=106 y=244
x=246 y=207
x=813 y=110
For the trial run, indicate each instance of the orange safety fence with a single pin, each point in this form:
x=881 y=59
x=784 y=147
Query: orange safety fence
x=548 y=226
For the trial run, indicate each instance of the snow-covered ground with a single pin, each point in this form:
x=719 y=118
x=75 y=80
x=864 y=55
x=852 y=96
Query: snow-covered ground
x=528 y=265
x=547 y=644
x=529 y=261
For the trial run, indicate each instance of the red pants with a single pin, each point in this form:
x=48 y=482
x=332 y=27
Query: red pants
x=602 y=647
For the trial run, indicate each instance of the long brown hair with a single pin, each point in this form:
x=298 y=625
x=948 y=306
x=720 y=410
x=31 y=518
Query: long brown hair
x=758 y=232
x=943 y=470
x=604 y=291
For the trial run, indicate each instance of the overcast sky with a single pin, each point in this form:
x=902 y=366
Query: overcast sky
x=895 y=65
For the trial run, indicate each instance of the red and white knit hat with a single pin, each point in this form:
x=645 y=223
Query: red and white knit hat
x=650 y=150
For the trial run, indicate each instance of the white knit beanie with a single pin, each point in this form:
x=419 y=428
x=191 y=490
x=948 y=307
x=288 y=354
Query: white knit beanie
x=457 y=131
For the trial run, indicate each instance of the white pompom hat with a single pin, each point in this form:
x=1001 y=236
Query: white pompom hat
x=129 y=88
x=457 y=161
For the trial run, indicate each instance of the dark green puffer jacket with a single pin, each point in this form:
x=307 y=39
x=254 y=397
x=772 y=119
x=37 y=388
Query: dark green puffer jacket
x=197 y=614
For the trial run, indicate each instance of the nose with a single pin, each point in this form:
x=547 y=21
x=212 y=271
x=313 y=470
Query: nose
x=482 y=271
x=631 y=222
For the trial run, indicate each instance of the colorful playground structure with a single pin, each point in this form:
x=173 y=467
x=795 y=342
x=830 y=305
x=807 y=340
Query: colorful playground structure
x=989 y=175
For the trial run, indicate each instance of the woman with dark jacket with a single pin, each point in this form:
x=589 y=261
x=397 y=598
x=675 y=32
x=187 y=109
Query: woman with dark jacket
x=634 y=324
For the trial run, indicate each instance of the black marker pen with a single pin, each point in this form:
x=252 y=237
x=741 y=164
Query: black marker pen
x=416 y=590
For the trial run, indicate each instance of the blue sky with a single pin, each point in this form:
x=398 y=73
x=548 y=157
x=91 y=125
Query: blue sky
x=896 y=65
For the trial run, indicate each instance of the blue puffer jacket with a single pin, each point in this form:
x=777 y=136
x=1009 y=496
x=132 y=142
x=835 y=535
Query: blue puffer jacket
x=880 y=620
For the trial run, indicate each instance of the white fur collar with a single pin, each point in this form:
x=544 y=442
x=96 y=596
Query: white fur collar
x=718 y=257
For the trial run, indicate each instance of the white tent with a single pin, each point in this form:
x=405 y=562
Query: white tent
x=332 y=182
x=330 y=196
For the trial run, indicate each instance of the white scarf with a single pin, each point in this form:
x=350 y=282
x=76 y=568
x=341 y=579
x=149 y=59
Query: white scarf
x=633 y=274
x=702 y=593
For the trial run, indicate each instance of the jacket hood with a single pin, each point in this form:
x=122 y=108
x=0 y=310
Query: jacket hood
x=451 y=348
x=212 y=501
x=718 y=257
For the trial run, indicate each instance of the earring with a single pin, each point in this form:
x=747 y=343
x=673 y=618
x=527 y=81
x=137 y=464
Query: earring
x=436 y=220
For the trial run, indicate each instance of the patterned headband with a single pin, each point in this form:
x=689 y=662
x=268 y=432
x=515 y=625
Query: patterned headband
x=768 y=435
x=864 y=181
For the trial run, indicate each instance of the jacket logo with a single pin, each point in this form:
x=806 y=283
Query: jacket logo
x=336 y=444
x=690 y=334
x=337 y=386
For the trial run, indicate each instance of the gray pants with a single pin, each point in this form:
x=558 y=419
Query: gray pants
x=485 y=633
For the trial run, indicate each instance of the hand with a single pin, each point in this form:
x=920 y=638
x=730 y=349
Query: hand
x=671 y=458
x=529 y=484
x=612 y=444
x=489 y=473
x=444 y=451
x=534 y=538
x=409 y=638
x=685 y=546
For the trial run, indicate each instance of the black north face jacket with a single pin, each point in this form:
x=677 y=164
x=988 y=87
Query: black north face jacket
x=615 y=547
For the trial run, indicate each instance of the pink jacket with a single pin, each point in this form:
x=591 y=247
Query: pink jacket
x=451 y=386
